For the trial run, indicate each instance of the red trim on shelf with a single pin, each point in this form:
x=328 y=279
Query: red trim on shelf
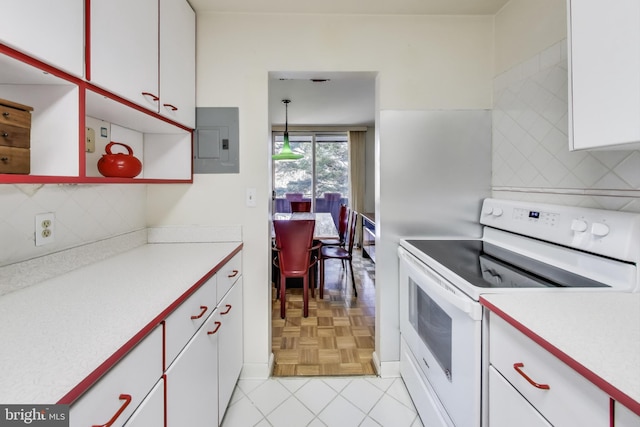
x=82 y=134
x=97 y=373
x=130 y=104
x=6 y=50
x=604 y=385
x=46 y=179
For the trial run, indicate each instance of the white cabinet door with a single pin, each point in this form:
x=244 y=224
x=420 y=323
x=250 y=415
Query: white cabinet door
x=51 y=31
x=151 y=410
x=507 y=407
x=604 y=65
x=124 y=49
x=188 y=318
x=624 y=417
x=117 y=394
x=178 y=61
x=563 y=396
x=230 y=345
x=192 y=379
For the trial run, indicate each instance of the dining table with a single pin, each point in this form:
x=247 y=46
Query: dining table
x=325 y=227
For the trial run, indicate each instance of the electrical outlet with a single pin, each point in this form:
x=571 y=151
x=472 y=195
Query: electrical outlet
x=45 y=228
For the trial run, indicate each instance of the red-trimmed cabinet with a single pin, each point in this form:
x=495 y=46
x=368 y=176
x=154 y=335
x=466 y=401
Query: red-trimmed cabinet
x=34 y=27
x=115 y=397
x=201 y=378
x=624 y=417
x=81 y=97
x=530 y=387
x=158 y=70
x=185 y=370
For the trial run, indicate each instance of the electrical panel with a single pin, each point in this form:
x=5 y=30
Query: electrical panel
x=216 y=143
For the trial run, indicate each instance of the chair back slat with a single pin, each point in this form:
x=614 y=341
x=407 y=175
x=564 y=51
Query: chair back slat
x=298 y=206
x=294 y=238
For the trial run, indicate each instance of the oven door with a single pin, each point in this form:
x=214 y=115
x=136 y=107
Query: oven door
x=442 y=327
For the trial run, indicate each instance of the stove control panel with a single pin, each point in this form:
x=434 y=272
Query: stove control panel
x=610 y=233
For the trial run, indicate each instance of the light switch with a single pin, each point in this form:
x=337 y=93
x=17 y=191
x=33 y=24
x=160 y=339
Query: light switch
x=251 y=197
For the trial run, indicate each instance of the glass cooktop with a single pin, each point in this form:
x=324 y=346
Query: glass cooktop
x=489 y=266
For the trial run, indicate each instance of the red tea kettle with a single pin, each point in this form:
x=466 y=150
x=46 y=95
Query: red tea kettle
x=119 y=165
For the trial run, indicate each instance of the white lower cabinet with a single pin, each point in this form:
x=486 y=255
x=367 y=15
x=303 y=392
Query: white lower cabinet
x=624 y=417
x=185 y=370
x=192 y=379
x=229 y=346
x=113 y=399
x=507 y=408
x=559 y=394
x=151 y=410
x=201 y=377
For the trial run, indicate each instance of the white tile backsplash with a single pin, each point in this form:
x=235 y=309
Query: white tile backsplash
x=531 y=157
x=83 y=214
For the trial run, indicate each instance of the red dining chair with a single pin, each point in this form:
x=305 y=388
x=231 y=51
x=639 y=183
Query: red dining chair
x=343 y=222
x=298 y=206
x=338 y=252
x=295 y=257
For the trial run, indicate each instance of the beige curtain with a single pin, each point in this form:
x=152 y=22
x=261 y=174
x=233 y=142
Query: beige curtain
x=357 y=174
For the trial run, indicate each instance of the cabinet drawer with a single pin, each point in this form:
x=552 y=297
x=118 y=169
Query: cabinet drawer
x=15 y=160
x=14 y=136
x=570 y=400
x=228 y=275
x=123 y=388
x=508 y=408
x=15 y=114
x=188 y=317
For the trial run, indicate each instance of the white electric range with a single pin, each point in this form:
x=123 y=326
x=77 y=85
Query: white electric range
x=525 y=247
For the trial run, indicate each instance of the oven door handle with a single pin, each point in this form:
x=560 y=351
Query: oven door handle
x=444 y=291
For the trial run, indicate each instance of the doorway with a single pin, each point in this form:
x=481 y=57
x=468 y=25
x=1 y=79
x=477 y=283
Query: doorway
x=338 y=336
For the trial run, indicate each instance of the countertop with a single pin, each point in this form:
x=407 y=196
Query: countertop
x=56 y=333
x=597 y=334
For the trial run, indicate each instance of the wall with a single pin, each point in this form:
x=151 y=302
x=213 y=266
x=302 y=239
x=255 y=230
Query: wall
x=83 y=214
x=531 y=159
x=422 y=63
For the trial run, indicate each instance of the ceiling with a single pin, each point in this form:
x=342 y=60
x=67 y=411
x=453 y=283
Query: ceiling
x=356 y=7
x=345 y=98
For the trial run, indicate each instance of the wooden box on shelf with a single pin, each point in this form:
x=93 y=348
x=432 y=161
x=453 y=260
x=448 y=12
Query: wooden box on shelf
x=15 y=137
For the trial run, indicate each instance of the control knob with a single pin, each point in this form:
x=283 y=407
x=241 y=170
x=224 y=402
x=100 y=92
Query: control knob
x=497 y=212
x=579 y=225
x=599 y=229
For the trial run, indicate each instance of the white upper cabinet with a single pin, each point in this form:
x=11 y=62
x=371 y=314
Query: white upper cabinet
x=124 y=49
x=51 y=31
x=604 y=74
x=178 y=61
x=144 y=51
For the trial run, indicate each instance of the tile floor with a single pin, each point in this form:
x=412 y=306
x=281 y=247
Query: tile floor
x=316 y=400
x=364 y=401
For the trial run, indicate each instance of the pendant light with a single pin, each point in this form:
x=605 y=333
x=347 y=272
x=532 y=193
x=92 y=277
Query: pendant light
x=286 y=153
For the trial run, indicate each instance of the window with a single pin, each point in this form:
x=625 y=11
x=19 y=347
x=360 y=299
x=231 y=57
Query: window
x=321 y=176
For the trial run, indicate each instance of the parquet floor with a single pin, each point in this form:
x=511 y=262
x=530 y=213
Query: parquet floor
x=337 y=338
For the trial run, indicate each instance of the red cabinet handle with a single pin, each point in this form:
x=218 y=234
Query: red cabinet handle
x=171 y=107
x=234 y=274
x=228 y=309
x=127 y=401
x=518 y=366
x=204 y=309
x=218 y=324
x=150 y=95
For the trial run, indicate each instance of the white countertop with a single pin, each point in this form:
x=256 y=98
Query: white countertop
x=55 y=333
x=599 y=332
